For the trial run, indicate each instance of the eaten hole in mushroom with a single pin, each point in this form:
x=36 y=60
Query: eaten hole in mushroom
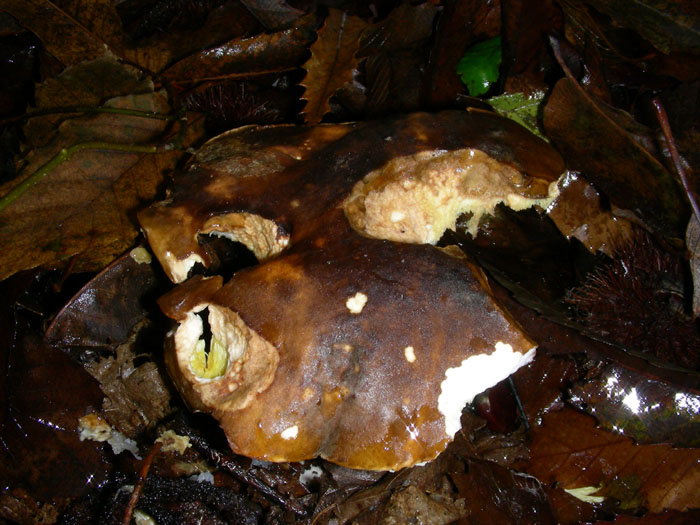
x=416 y=198
x=354 y=338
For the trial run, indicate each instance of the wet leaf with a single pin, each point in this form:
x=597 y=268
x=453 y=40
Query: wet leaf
x=645 y=409
x=69 y=31
x=263 y=53
x=405 y=27
x=494 y=494
x=106 y=310
x=273 y=14
x=42 y=396
x=670 y=26
x=541 y=384
x=332 y=62
x=393 y=60
x=568 y=449
x=526 y=25
x=579 y=212
x=74 y=32
x=620 y=167
x=89 y=84
x=516 y=248
x=84 y=206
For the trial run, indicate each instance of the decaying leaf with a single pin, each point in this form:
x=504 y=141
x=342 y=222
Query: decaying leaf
x=85 y=204
x=273 y=14
x=612 y=160
x=670 y=26
x=43 y=394
x=578 y=212
x=569 y=450
x=332 y=62
x=460 y=23
x=692 y=241
x=136 y=395
x=263 y=53
x=88 y=84
x=105 y=311
x=70 y=32
x=648 y=410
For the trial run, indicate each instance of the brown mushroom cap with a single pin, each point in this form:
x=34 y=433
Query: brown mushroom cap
x=356 y=349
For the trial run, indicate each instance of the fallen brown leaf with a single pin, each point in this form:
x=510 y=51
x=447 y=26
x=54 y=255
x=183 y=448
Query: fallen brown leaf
x=69 y=31
x=649 y=410
x=241 y=57
x=593 y=142
x=88 y=84
x=569 y=450
x=85 y=205
x=332 y=62
x=670 y=26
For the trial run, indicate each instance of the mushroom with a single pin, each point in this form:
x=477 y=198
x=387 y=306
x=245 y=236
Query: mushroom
x=355 y=338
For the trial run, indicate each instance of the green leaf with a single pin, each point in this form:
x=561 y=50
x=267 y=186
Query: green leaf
x=478 y=68
x=521 y=109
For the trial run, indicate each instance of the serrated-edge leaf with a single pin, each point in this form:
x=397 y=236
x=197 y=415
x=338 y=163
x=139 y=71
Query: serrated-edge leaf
x=332 y=62
x=520 y=108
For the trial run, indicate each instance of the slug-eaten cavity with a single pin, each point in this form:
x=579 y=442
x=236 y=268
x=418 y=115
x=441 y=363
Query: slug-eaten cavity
x=417 y=197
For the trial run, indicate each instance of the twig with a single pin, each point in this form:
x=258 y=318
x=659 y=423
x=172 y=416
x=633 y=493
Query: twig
x=143 y=474
x=671 y=143
x=518 y=402
x=246 y=475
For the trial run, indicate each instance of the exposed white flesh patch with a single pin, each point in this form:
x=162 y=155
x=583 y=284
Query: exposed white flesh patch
x=417 y=197
x=472 y=377
x=290 y=433
x=356 y=303
x=410 y=354
x=310 y=474
x=180 y=268
x=261 y=236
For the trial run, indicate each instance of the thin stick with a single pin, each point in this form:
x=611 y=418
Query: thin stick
x=671 y=143
x=227 y=463
x=138 y=488
x=518 y=402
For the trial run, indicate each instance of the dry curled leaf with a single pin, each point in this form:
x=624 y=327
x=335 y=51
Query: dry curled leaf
x=332 y=62
x=136 y=394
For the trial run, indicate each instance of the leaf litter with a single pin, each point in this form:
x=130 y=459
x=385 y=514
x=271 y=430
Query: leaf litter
x=82 y=212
